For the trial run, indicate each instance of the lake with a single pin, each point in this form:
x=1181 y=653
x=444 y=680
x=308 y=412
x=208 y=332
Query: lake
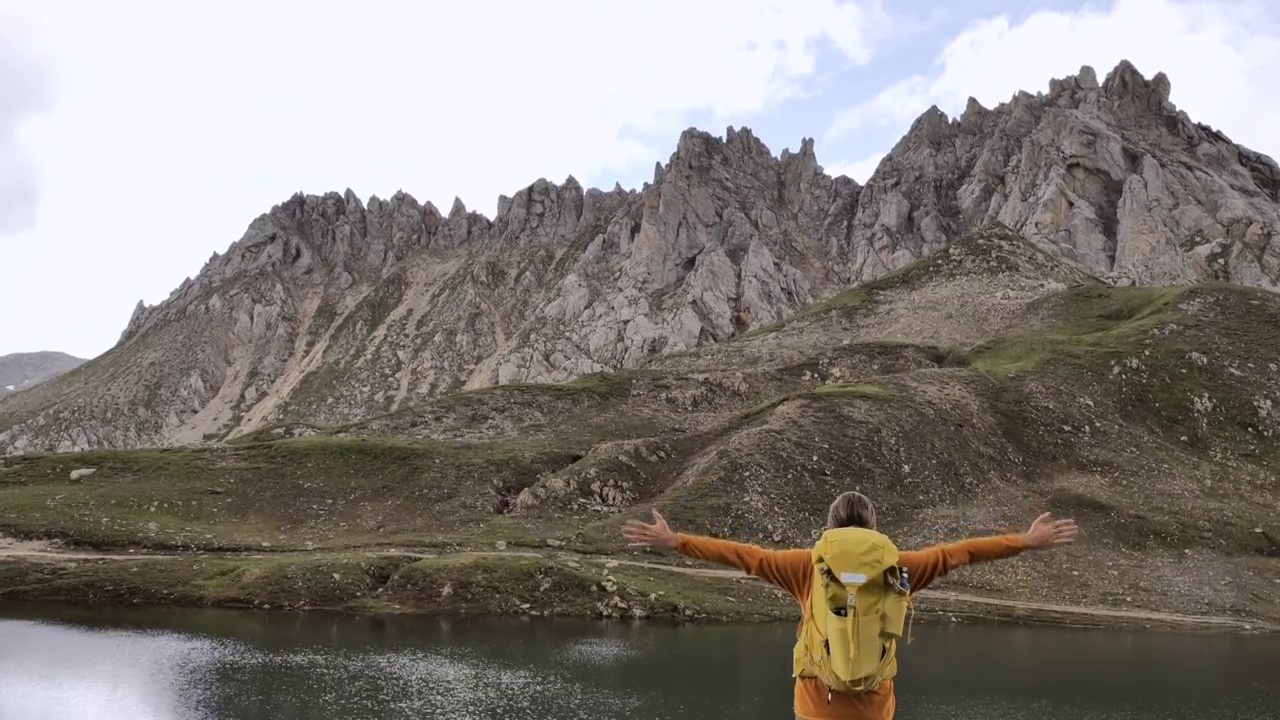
x=99 y=664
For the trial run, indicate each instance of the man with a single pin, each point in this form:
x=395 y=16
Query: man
x=793 y=571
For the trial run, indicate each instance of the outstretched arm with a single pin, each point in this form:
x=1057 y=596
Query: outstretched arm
x=788 y=569
x=925 y=566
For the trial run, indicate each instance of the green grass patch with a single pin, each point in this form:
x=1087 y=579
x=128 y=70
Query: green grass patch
x=597 y=384
x=323 y=317
x=320 y=491
x=272 y=433
x=460 y=584
x=846 y=299
x=1094 y=320
x=849 y=391
x=850 y=299
x=852 y=390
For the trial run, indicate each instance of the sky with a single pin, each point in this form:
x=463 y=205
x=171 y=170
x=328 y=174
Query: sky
x=139 y=137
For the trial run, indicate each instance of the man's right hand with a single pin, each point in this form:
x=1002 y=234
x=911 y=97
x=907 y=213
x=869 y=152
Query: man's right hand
x=657 y=534
x=1046 y=532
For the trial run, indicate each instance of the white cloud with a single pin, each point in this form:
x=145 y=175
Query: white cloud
x=859 y=170
x=1220 y=58
x=180 y=122
x=889 y=106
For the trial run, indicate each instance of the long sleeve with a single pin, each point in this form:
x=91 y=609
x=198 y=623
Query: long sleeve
x=925 y=566
x=790 y=570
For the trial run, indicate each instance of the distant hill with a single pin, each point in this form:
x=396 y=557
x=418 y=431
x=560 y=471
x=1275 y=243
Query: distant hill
x=20 y=371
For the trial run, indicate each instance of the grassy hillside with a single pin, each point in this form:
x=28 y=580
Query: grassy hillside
x=965 y=394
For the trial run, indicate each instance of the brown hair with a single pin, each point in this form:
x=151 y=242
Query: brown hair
x=852 y=509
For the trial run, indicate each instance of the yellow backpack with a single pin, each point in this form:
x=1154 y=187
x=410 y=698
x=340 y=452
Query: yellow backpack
x=857 y=608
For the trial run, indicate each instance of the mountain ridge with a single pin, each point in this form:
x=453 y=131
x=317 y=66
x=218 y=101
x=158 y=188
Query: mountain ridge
x=329 y=309
x=965 y=393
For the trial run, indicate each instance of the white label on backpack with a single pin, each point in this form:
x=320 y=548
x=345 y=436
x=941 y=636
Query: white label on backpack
x=853 y=578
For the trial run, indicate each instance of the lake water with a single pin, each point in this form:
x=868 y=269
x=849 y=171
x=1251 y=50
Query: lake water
x=63 y=664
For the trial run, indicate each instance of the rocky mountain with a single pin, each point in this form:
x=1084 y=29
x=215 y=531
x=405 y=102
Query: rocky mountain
x=330 y=310
x=965 y=393
x=21 y=371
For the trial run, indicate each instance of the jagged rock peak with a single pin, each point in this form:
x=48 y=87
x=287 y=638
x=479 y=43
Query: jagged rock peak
x=401 y=203
x=1124 y=87
x=136 y=319
x=458 y=210
x=352 y=200
x=1126 y=77
x=1086 y=79
x=744 y=139
x=933 y=126
x=801 y=166
x=806 y=150
x=542 y=198
x=695 y=143
x=696 y=146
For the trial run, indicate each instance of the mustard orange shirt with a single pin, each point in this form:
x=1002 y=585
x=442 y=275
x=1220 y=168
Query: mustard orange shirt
x=792 y=571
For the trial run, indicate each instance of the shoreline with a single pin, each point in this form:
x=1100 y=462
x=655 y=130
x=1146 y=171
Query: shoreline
x=517 y=582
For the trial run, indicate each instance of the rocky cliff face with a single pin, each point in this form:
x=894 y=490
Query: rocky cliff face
x=330 y=310
x=1111 y=176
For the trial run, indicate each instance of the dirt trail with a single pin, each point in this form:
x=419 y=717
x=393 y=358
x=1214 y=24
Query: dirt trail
x=11 y=548
x=957 y=597
x=42 y=550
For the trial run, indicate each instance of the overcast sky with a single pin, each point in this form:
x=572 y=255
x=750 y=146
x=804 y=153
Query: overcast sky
x=138 y=138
